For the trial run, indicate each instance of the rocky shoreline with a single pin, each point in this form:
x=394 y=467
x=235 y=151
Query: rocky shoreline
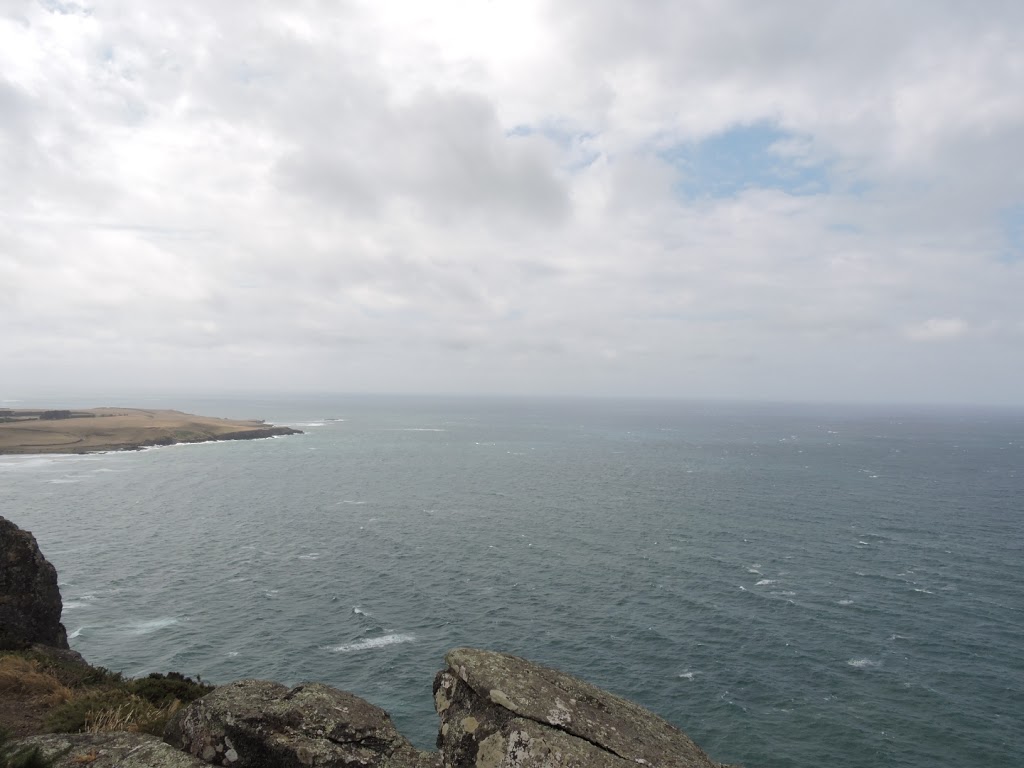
x=496 y=710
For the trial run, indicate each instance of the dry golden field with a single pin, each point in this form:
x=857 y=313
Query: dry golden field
x=112 y=429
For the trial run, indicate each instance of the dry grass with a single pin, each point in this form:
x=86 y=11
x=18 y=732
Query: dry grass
x=27 y=678
x=105 y=429
x=134 y=714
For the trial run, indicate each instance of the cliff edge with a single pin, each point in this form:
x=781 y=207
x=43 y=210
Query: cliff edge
x=496 y=710
x=30 y=603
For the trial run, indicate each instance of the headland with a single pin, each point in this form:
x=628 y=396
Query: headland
x=25 y=431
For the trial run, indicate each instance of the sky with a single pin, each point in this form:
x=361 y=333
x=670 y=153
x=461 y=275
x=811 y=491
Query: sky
x=796 y=200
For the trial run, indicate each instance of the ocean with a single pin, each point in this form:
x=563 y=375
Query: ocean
x=790 y=585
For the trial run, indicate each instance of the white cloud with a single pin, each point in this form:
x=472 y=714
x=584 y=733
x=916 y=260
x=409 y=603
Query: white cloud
x=216 y=195
x=938 y=329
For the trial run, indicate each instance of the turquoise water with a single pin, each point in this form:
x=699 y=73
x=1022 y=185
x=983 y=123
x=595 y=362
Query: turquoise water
x=792 y=586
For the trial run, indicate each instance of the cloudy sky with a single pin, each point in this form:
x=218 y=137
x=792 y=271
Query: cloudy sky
x=793 y=200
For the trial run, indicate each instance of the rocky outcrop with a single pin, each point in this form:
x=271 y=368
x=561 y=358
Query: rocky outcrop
x=500 y=711
x=30 y=604
x=259 y=434
x=106 y=750
x=259 y=724
x=496 y=710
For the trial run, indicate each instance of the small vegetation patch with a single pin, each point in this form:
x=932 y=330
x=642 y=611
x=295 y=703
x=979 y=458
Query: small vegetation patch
x=73 y=697
x=142 y=705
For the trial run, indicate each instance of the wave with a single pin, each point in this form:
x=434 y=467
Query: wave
x=373 y=642
x=153 y=625
x=764 y=582
x=76 y=633
x=359 y=611
x=864 y=663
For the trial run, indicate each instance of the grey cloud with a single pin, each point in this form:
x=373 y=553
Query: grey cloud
x=446 y=152
x=217 y=195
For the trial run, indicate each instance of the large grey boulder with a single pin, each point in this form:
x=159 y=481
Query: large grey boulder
x=30 y=604
x=260 y=724
x=500 y=711
x=107 y=750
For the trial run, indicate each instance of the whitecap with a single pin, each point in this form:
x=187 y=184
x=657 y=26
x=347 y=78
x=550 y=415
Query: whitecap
x=310 y=556
x=687 y=675
x=764 y=582
x=846 y=602
x=153 y=625
x=76 y=633
x=232 y=654
x=864 y=663
x=373 y=642
x=925 y=591
x=359 y=611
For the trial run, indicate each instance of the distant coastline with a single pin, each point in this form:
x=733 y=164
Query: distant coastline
x=92 y=430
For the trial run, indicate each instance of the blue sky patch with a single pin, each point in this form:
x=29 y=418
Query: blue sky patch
x=1013 y=231
x=746 y=157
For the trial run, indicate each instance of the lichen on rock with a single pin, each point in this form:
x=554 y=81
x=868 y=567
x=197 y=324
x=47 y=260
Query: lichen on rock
x=525 y=715
x=261 y=724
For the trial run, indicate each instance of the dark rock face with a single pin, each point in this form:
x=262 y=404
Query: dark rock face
x=109 y=750
x=259 y=724
x=500 y=711
x=30 y=603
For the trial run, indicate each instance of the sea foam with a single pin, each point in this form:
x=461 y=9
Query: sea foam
x=373 y=642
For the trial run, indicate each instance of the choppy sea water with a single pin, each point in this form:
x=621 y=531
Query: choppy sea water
x=790 y=585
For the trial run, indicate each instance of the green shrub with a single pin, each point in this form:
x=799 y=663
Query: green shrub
x=162 y=690
x=73 y=716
